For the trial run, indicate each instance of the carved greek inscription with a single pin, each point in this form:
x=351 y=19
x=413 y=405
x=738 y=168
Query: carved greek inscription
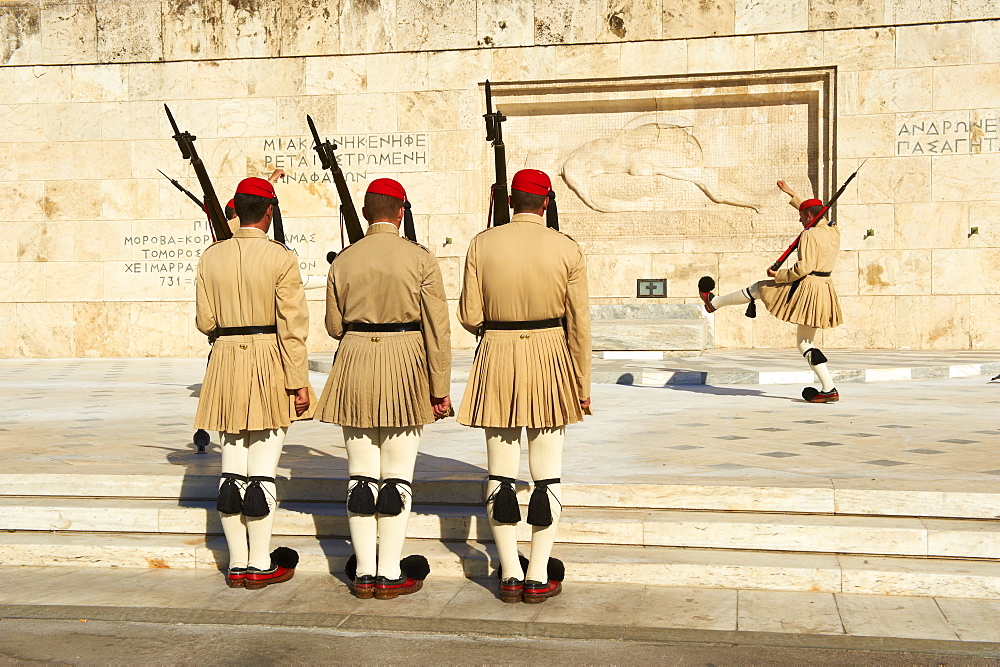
x=948 y=137
x=357 y=154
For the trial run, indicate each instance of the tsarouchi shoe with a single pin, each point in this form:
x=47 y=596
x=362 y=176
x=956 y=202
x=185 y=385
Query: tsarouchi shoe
x=387 y=589
x=283 y=563
x=813 y=395
x=536 y=591
x=364 y=586
x=511 y=590
x=705 y=286
x=236 y=577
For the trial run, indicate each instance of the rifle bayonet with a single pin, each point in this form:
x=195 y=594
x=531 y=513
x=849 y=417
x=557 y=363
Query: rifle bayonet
x=328 y=160
x=185 y=141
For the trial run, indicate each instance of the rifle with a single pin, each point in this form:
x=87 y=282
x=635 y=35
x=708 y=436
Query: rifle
x=184 y=190
x=185 y=141
x=328 y=160
x=816 y=219
x=499 y=208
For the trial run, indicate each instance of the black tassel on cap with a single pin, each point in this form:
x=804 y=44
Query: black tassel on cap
x=255 y=499
x=504 y=499
x=230 y=500
x=409 y=231
x=415 y=567
x=390 y=501
x=285 y=557
x=361 y=499
x=539 y=508
x=552 y=212
x=351 y=567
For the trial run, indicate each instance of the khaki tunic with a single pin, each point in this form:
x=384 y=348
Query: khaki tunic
x=244 y=281
x=386 y=379
x=517 y=272
x=800 y=298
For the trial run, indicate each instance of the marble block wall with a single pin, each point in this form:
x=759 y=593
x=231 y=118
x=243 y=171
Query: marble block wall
x=100 y=250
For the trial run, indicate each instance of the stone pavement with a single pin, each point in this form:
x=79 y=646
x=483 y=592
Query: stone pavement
x=470 y=606
x=134 y=417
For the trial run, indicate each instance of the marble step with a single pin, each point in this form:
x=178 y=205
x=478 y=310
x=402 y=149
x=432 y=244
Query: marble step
x=930 y=498
x=664 y=566
x=668 y=335
x=959 y=538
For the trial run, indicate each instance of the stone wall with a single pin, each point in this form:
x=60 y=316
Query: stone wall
x=100 y=249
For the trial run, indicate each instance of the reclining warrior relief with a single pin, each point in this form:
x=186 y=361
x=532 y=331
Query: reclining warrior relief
x=649 y=146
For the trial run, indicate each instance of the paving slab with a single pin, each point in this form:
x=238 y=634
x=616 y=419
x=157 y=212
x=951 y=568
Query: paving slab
x=940 y=438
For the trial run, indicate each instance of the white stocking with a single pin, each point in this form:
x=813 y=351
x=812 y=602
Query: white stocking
x=545 y=447
x=263 y=452
x=234 y=460
x=363 y=459
x=398 y=457
x=737 y=298
x=805 y=337
x=503 y=453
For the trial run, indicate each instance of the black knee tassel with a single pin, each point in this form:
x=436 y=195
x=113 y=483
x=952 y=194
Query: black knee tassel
x=360 y=499
x=504 y=499
x=230 y=501
x=751 y=308
x=255 y=499
x=814 y=356
x=539 y=508
x=390 y=502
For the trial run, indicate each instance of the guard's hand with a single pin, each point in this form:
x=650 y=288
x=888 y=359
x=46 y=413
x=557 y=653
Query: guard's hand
x=585 y=406
x=301 y=401
x=276 y=174
x=784 y=188
x=771 y=272
x=441 y=407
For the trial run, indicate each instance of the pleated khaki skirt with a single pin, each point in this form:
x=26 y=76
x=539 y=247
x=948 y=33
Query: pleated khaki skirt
x=244 y=387
x=378 y=379
x=811 y=301
x=521 y=378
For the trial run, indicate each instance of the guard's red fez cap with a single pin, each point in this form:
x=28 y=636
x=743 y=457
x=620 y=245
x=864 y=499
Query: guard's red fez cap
x=808 y=203
x=387 y=186
x=256 y=186
x=532 y=181
x=231 y=203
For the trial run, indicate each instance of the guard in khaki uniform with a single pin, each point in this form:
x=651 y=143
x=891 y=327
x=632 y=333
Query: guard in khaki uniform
x=803 y=295
x=250 y=302
x=525 y=293
x=386 y=304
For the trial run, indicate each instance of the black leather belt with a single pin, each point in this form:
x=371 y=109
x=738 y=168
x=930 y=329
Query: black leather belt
x=821 y=274
x=383 y=328
x=528 y=324
x=244 y=331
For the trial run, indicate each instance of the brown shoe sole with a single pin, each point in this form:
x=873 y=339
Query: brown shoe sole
x=390 y=593
x=257 y=585
x=511 y=598
x=538 y=599
x=364 y=593
x=825 y=399
x=236 y=583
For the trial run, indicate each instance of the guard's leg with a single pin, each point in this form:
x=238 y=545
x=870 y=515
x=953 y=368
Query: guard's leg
x=503 y=453
x=545 y=447
x=231 y=488
x=737 y=298
x=817 y=362
x=398 y=458
x=262 y=466
x=363 y=467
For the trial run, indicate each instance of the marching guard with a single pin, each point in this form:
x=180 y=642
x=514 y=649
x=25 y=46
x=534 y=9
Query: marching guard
x=525 y=294
x=386 y=304
x=251 y=304
x=803 y=295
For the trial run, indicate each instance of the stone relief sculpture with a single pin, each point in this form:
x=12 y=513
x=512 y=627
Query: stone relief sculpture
x=651 y=145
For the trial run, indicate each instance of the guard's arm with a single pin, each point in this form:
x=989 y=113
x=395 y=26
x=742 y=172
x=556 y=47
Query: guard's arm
x=804 y=265
x=204 y=313
x=436 y=328
x=470 y=303
x=334 y=317
x=292 y=318
x=578 y=324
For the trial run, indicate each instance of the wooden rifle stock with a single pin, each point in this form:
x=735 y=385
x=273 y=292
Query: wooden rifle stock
x=494 y=134
x=328 y=160
x=815 y=220
x=185 y=141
